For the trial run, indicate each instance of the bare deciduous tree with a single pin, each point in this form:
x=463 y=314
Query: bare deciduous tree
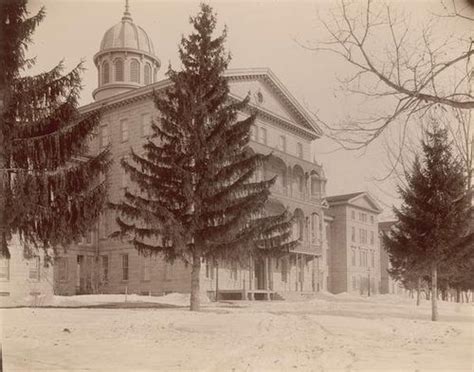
x=398 y=66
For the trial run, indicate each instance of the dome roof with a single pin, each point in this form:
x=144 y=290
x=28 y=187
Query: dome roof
x=127 y=34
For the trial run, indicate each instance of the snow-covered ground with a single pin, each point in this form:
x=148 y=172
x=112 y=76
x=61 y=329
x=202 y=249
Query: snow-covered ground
x=330 y=332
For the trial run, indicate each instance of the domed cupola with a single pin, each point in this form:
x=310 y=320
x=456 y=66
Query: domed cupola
x=126 y=59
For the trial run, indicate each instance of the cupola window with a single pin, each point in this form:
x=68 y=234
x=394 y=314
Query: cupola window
x=118 y=65
x=147 y=74
x=134 y=71
x=105 y=73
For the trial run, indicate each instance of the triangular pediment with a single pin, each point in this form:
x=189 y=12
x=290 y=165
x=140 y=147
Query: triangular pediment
x=268 y=94
x=365 y=201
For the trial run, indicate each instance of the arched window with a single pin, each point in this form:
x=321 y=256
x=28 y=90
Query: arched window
x=134 y=71
x=147 y=74
x=315 y=222
x=118 y=66
x=105 y=73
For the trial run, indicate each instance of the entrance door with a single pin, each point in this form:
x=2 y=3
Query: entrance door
x=80 y=277
x=259 y=274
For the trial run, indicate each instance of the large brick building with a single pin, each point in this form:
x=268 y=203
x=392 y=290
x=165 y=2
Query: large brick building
x=127 y=67
x=354 y=262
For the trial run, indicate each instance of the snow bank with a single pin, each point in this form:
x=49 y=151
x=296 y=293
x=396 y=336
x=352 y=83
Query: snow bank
x=174 y=299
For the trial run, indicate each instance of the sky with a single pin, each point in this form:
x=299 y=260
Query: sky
x=260 y=34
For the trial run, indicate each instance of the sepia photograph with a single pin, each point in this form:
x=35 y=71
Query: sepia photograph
x=237 y=185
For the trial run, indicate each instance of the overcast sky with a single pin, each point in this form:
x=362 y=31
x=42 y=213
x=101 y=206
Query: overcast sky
x=261 y=34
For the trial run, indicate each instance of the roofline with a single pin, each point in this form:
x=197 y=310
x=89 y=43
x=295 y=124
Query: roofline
x=267 y=72
x=147 y=90
x=350 y=201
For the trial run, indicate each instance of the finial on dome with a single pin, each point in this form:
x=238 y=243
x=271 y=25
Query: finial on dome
x=126 y=15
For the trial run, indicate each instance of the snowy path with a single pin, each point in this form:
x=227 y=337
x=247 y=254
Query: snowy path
x=327 y=334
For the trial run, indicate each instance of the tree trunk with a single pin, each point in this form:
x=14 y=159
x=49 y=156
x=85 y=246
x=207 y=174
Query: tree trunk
x=4 y=176
x=195 y=290
x=418 y=289
x=434 y=295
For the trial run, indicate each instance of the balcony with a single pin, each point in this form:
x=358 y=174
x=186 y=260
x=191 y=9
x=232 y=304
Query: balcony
x=289 y=159
x=307 y=248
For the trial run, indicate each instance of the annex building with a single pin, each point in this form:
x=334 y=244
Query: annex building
x=127 y=68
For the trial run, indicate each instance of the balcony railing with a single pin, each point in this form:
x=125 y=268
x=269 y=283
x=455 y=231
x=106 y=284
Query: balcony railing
x=306 y=247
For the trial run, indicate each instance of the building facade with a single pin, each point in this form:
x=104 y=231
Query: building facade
x=387 y=284
x=354 y=262
x=24 y=281
x=127 y=69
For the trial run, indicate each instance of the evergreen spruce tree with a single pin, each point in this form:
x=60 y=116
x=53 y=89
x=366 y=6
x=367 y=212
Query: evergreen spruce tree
x=433 y=218
x=49 y=189
x=196 y=198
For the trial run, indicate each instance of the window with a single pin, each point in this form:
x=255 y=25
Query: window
x=118 y=67
x=284 y=270
x=124 y=130
x=300 y=179
x=263 y=135
x=353 y=215
x=147 y=74
x=353 y=234
x=155 y=73
x=124 y=175
x=353 y=257
x=146 y=125
x=104 y=136
x=300 y=225
x=361 y=258
x=299 y=150
x=34 y=269
x=372 y=258
x=371 y=219
x=354 y=283
x=104 y=225
x=105 y=73
x=4 y=269
x=62 y=269
x=372 y=238
x=89 y=238
x=315 y=222
x=209 y=270
x=104 y=268
x=233 y=271
x=146 y=263
x=135 y=71
x=125 y=267
x=282 y=143
x=363 y=236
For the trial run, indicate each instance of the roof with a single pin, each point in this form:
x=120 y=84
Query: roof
x=267 y=75
x=127 y=35
x=343 y=197
x=305 y=122
x=352 y=199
